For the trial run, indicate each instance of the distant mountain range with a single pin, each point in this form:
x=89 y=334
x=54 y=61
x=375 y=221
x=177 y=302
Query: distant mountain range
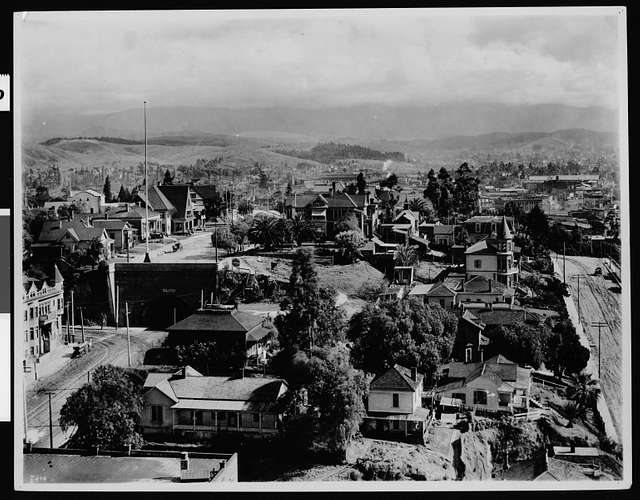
x=368 y=122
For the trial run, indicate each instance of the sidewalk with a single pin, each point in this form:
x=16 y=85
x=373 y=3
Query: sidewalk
x=49 y=364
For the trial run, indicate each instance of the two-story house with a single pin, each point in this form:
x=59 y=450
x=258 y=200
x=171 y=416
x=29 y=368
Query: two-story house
x=118 y=230
x=88 y=200
x=189 y=405
x=480 y=227
x=180 y=197
x=394 y=405
x=158 y=203
x=43 y=304
x=493 y=257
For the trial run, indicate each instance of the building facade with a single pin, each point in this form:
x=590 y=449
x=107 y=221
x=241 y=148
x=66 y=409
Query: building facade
x=43 y=304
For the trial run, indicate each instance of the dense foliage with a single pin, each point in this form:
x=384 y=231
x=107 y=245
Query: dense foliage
x=406 y=332
x=106 y=411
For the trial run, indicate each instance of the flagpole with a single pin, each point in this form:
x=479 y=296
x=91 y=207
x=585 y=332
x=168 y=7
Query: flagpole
x=146 y=188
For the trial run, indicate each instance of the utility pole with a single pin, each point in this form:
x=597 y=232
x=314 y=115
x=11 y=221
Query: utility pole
x=50 y=422
x=564 y=264
x=117 y=305
x=73 y=319
x=126 y=309
x=599 y=325
x=146 y=188
x=82 y=323
x=67 y=320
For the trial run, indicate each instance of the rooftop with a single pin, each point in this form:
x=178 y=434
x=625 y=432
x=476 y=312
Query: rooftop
x=45 y=465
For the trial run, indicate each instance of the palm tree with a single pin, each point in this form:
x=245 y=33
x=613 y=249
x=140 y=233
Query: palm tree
x=300 y=229
x=584 y=392
x=416 y=205
x=405 y=255
x=268 y=232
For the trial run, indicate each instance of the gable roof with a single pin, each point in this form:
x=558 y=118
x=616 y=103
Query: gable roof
x=133 y=212
x=444 y=229
x=481 y=284
x=178 y=196
x=396 y=378
x=482 y=247
x=117 y=224
x=157 y=200
x=498 y=368
x=440 y=290
x=55 y=231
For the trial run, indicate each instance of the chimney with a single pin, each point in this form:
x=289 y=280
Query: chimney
x=414 y=374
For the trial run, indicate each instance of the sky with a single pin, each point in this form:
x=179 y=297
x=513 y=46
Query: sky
x=97 y=62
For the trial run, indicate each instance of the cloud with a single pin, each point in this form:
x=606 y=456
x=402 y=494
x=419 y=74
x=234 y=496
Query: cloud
x=98 y=62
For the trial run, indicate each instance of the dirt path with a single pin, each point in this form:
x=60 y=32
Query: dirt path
x=598 y=302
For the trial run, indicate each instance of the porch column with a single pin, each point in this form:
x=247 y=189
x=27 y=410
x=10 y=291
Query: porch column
x=406 y=424
x=173 y=419
x=238 y=420
x=215 y=419
x=193 y=419
x=260 y=421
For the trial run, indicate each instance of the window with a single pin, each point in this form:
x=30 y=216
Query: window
x=221 y=416
x=256 y=418
x=25 y=315
x=156 y=414
x=231 y=420
x=442 y=302
x=479 y=398
x=31 y=333
x=199 y=417
x=468 y=354
x=504 y=398
x=461 y=396
x=396 y=400
x=477 y=263
x=396 y=425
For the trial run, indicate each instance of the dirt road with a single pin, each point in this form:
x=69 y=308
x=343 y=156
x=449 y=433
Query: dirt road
x=598 y=301
x=109 y=347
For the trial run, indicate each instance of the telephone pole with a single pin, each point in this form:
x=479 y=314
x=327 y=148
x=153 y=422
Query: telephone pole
x=73 y=319
x=82 y=323
x=126 y=309
x=146 y=188
x=564 y=264
x=599 y=325
x=50 y=422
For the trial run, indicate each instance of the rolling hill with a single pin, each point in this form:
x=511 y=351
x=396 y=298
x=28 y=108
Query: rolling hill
x=365 y=122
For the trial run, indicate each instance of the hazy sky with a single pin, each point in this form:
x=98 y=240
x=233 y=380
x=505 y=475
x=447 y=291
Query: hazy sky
x=108 y=61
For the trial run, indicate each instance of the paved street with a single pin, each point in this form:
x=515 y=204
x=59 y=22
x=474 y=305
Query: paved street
x=109 y=347
x=599 y=302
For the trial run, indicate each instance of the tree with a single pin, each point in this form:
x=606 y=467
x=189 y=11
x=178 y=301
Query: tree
x=433 y=192
x=42 y=195
x=240 y=231
x=584 y=392
x=522 y=343
x=349 y=244
x=390 y=182
x=222 y=237
x=199 y=355
x=407 y=332
x=537 y=226
x=405 y=255
x=361 y=183
x=106 y=411
x=336 y=392
x=245 y=207
x=347 y=222
x=108 y=197
x=416 y=205
x=168 y=178
x=270 y=232
x=95 y=251
x=565 y=353
x=465 y=191
x=123 y=194
x=300 y=229
x=309 y=313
